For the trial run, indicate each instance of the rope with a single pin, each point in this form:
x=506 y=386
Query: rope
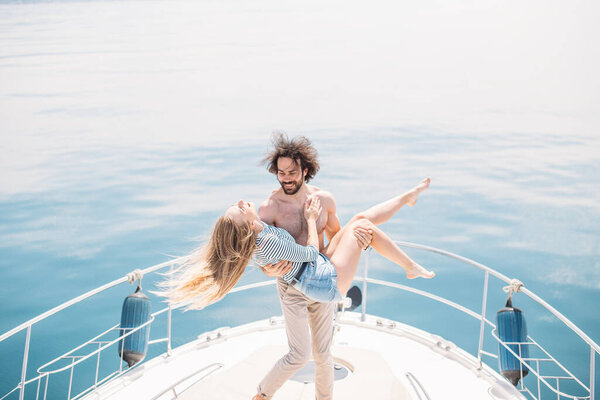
x=514 y=287
x=135 y=275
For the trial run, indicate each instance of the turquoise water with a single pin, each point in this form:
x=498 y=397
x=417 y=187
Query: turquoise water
x=124 y=139
x=154 y=203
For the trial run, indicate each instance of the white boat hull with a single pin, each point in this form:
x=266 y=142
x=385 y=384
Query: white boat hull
x=386 y=360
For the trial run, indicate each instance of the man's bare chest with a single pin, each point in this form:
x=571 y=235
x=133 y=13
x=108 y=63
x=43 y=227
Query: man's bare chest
x=292 y=220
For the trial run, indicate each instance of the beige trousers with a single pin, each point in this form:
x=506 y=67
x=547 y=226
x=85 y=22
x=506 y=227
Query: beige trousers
x=301 y=312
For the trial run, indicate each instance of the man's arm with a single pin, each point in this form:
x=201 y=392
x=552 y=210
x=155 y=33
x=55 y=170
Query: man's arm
x=333 y=226
x=267 y=211
x=333 y=222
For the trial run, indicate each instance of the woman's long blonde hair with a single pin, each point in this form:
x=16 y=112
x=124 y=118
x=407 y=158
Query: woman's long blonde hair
x=213 y=269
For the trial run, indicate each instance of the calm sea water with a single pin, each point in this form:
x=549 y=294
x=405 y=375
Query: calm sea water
x=128 y=127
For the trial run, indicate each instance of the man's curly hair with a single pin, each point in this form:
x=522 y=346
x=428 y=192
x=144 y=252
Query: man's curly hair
x=299 y=149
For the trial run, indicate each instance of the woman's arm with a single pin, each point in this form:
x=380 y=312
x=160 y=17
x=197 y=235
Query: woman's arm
x=312 y=210
x=274 y=248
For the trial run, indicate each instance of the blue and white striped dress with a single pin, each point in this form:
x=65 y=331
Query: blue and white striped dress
x=274 y=244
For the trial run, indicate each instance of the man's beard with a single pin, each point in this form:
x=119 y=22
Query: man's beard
x=292 y=190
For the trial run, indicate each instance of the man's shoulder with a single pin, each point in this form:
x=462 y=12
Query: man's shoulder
x=268 y=208
x=274 y=199
x=327 y=199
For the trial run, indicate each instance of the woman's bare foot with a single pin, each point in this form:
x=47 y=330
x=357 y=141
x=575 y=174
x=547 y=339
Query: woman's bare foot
x=416 y=271
x=417 y=190
x=259 y=397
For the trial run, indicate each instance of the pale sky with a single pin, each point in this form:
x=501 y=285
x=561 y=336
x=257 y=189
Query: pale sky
x=197 y=71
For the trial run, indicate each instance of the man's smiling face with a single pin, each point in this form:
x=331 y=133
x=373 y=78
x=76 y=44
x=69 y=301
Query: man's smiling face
x=290 y=175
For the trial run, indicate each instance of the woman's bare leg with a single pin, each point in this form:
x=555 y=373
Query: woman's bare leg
x=380 y=213
x=346 y=254
x=386 y=247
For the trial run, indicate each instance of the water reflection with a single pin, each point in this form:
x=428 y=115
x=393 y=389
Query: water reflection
x=504 y=192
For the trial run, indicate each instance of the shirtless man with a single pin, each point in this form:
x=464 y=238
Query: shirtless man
x=295 y=163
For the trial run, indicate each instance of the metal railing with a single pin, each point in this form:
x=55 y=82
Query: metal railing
x=44 y=372
x=209 y=369
x=80 y=359
x=541 y=379
x=417 y=386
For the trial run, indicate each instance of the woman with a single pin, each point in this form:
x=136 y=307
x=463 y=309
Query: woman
x=239 y=234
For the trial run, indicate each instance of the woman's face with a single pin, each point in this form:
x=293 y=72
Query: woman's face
x=242 y=212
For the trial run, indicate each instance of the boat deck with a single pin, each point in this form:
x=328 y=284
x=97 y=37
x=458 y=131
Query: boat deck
x=375 y=359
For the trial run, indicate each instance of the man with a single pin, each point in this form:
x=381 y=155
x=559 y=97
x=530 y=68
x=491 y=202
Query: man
x=295 y=162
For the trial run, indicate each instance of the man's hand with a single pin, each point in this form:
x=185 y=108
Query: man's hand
x=363 y=237
x=276 y=270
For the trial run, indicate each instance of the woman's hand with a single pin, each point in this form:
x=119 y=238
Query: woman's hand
x=312 y=209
